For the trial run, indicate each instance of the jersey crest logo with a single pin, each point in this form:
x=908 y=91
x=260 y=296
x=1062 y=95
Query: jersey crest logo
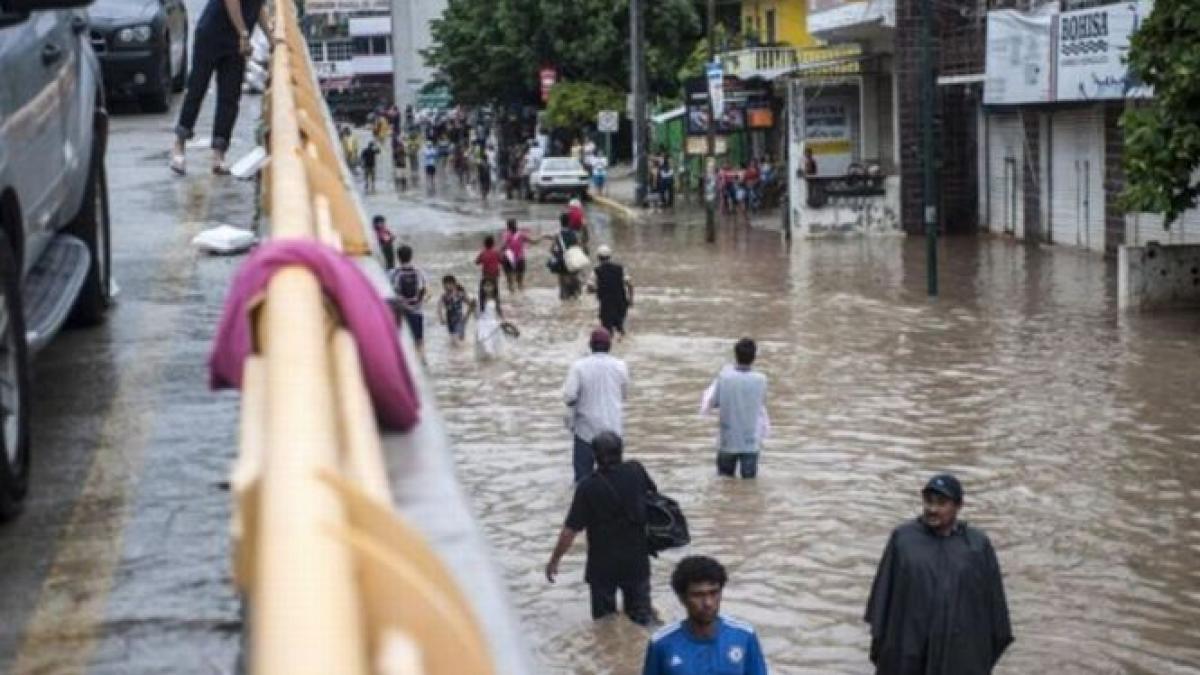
x=736 y=654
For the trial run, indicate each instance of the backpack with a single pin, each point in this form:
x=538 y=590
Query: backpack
x=406 y=283
x=666 y=526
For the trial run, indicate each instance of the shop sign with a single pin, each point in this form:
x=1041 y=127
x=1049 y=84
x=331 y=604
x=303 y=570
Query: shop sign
x=1074 y=56
x=698 y=145
x=1018 y=58
x=347 y=6
x=828 y=131
x=1091 y=49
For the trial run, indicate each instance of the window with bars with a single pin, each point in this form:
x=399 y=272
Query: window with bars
x=342 y=50
x=316 y=51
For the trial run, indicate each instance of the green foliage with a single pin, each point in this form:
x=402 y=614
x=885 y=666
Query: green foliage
x=491 y=50
x=693 y=66
x=1162 y=135
x=574 y=105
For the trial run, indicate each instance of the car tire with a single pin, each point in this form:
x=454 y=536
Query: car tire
x=158 y=100
x=540 y=196
x=180 y=81
x=14 y=389
x=92 y=226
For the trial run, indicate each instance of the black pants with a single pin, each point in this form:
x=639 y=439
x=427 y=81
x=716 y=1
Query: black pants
x=635 y=597
x=229 y=67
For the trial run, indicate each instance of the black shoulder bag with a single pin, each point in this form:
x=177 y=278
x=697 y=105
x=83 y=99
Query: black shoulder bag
x=665 y=526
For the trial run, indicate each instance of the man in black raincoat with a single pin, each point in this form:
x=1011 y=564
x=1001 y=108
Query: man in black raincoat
x=937 y=606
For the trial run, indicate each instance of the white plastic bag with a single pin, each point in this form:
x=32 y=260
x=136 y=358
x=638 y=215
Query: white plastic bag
x=575 y=259
x=224 y=240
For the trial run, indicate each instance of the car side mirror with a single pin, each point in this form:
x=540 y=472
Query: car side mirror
x=23 y=6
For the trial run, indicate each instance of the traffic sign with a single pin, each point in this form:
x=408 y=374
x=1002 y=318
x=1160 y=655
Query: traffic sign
x=608 y=121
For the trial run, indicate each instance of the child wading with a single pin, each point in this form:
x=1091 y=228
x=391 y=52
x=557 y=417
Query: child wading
x=489 y=329
x=455 y=308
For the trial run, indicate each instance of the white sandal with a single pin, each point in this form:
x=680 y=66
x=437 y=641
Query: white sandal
x=178 y=164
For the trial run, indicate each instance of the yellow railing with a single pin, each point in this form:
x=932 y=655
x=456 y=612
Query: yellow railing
x=335 y=580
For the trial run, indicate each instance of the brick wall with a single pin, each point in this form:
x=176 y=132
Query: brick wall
x=907 y=71
x=1114 y=178
x=955 y=130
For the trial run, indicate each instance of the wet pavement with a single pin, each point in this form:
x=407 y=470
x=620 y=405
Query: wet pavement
x=1075 y=430
x=120 y=561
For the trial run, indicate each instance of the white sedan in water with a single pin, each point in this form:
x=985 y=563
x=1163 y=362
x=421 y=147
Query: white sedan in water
x=559 y=175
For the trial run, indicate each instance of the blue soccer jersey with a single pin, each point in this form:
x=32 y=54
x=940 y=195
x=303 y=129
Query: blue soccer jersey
x=734 y=651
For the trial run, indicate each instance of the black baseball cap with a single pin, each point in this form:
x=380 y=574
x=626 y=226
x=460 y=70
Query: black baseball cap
x=947 y=485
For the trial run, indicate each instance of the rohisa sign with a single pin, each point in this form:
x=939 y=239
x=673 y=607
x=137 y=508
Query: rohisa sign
x=1073 y=56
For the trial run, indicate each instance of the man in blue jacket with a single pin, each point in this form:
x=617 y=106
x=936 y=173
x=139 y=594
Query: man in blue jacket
x=706 y=641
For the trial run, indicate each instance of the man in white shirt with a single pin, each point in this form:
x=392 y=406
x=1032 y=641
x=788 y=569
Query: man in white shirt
x=595 y=393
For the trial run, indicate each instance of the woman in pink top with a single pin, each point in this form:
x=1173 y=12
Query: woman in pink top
x=512 y=249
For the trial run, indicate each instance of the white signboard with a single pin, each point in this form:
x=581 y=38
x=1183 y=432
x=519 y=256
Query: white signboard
x=1019 y=58
x=608 y=121
x=829 y=132
x=347 y=6
x=1091 y=49
x=716 y=87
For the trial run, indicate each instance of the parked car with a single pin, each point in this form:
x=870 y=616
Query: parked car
x=559 y=175
x=54 y=243
x=143 y=48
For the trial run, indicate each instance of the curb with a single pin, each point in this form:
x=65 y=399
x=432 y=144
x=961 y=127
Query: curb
x=622 y=210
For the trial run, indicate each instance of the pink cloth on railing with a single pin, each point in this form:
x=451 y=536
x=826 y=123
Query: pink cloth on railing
x=367 y=317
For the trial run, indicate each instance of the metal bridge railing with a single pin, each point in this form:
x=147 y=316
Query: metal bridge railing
x=335 y=580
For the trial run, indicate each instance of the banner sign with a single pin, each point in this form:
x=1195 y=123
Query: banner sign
x=715 y=75
x=1074 y=56
x=1019 y=56
x=829 y=131
x=1091 y=51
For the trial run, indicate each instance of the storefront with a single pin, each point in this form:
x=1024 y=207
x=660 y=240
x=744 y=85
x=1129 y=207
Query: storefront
x=842 y=118
x=1054 y=88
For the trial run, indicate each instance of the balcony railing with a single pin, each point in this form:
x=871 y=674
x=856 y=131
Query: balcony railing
x=769 y=62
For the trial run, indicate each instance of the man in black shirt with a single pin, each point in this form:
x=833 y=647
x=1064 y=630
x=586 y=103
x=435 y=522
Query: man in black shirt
x=614 y=291
x=221 y=45
x=611 y=505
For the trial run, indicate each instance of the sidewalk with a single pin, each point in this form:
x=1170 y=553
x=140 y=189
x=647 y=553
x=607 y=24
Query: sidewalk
x=619 y=198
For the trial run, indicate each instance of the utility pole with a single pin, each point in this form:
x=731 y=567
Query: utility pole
x=710 y=218
x=929 y=212
x=637 y=85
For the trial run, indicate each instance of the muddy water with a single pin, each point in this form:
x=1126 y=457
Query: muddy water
x=1075 y=432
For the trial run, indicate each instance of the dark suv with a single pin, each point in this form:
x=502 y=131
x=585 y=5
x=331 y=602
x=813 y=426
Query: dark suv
x=54 y=244
x=142 y=45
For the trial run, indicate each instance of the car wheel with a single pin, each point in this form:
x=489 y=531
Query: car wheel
x=14 y=389
x=539 y=195
x=158 y=100
x=180 y=80
x=92 y=226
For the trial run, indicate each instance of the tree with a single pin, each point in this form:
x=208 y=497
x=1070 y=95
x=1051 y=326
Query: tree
x=1162 y=135
x=574 y=105
x=491 y=50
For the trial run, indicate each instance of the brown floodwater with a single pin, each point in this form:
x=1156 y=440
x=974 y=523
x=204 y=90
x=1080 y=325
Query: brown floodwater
x=1075 y=430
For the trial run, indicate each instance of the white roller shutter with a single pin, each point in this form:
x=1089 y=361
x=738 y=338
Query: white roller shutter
x=1076 y=180
x=1006 y=155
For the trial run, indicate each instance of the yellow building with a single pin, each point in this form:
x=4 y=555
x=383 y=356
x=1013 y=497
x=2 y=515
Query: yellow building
x=777 y=22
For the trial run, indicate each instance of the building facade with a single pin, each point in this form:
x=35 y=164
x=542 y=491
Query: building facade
x=411 y=35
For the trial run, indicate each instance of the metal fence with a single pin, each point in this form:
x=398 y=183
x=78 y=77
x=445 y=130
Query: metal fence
x=335 y=580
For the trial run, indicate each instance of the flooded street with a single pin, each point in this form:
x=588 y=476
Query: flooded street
x=1074 y=429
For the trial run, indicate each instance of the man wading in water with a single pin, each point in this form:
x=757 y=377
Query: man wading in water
x=613 y=290
x=937 y=606
x=611 y=505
